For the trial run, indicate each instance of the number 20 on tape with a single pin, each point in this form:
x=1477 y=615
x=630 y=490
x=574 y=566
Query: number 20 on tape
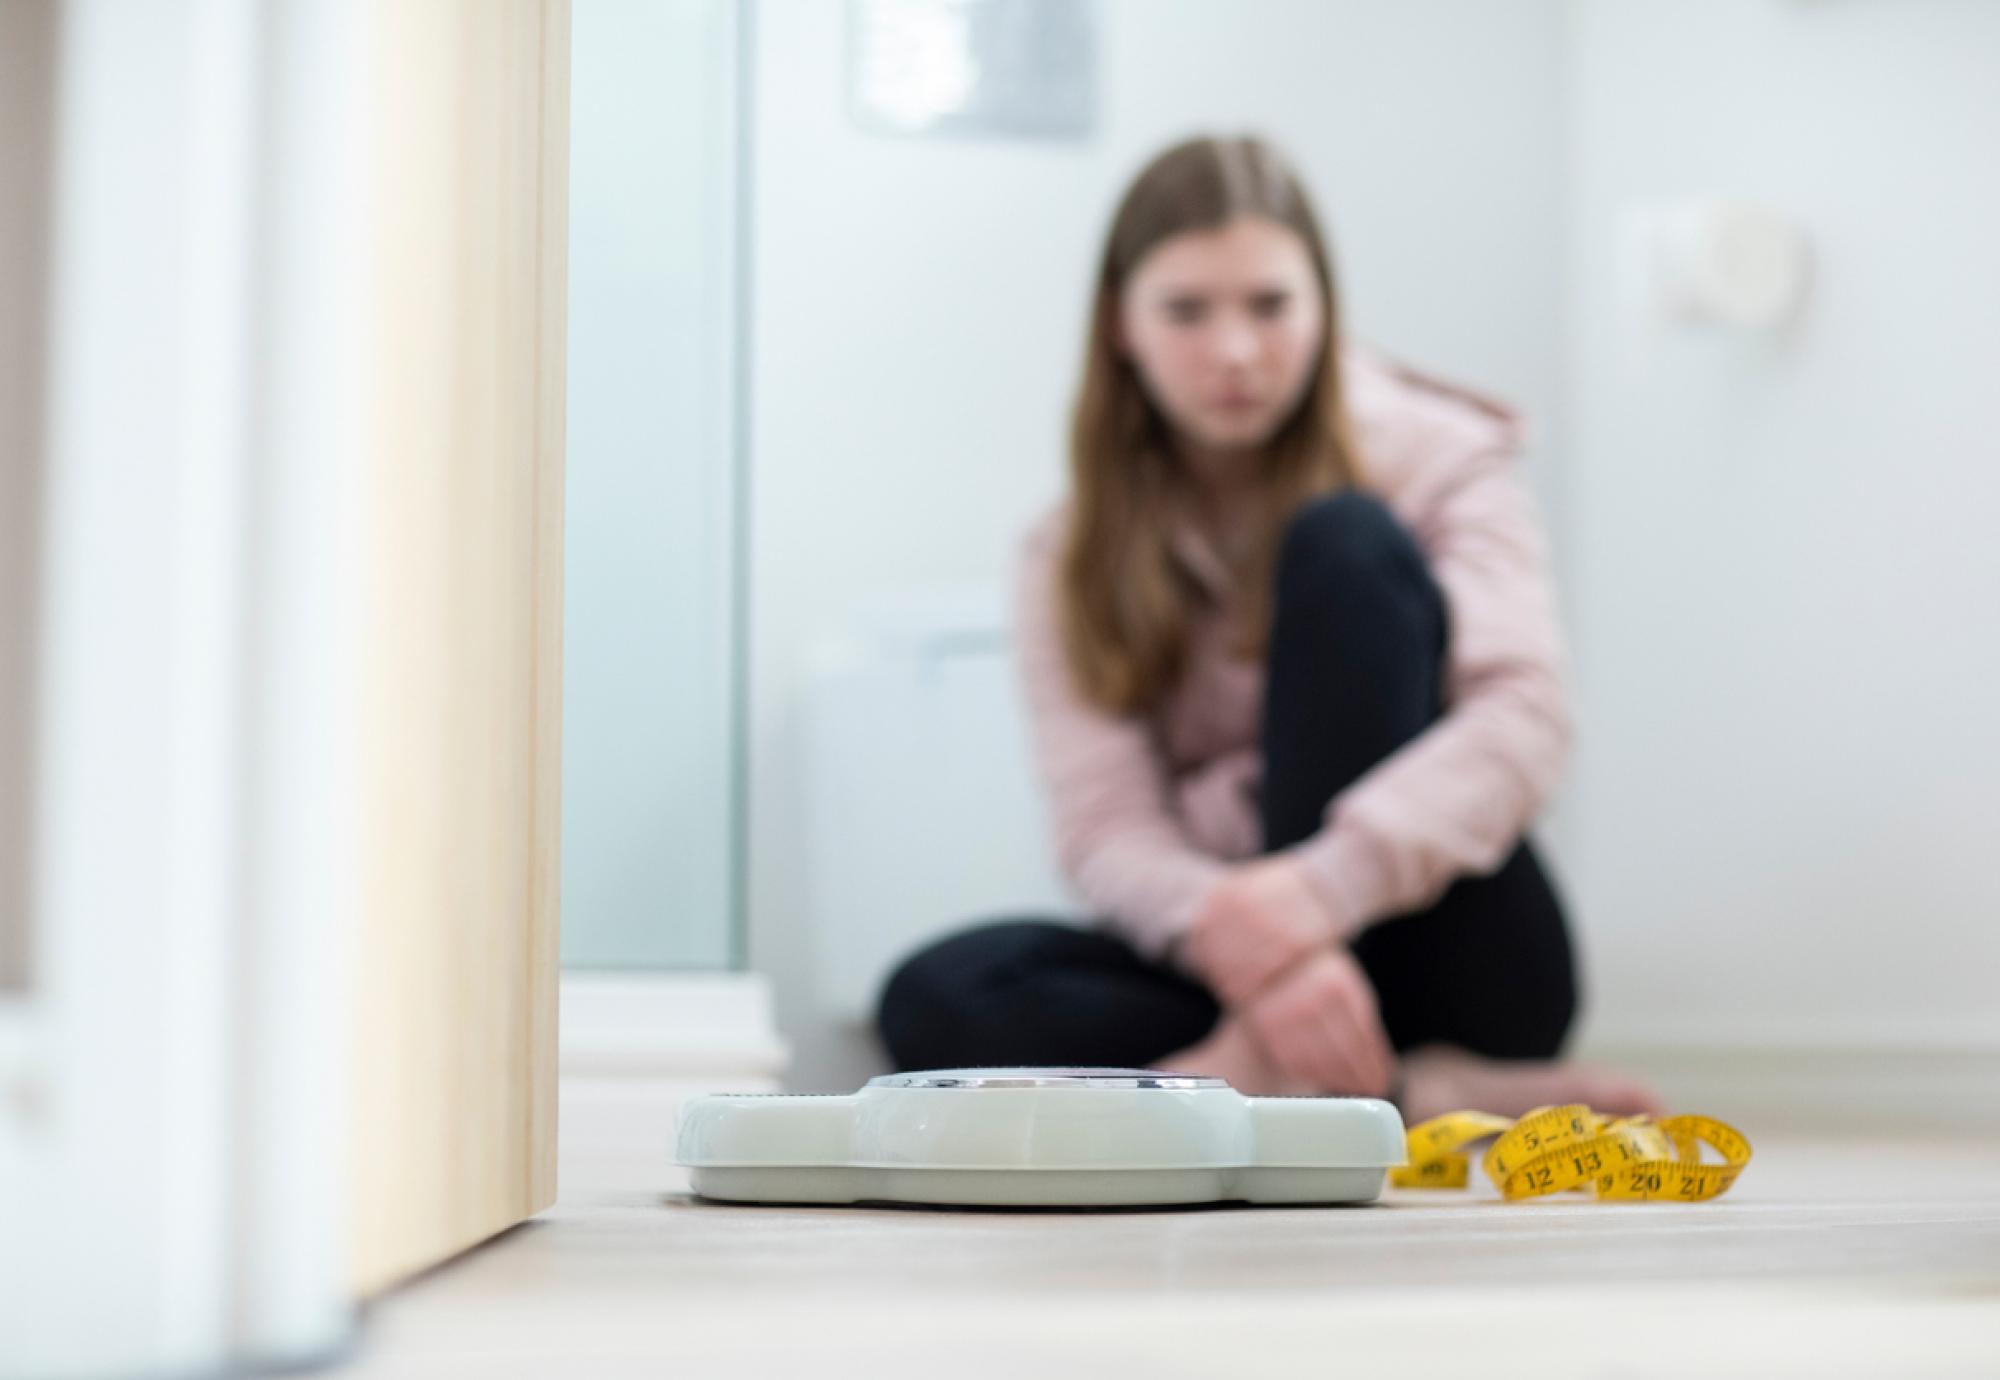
x=1559 y=1149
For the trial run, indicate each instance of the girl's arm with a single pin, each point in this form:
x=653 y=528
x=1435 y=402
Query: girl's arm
x=1116 y=839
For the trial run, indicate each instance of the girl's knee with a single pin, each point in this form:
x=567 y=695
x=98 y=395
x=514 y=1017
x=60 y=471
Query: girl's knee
x=1350 y=538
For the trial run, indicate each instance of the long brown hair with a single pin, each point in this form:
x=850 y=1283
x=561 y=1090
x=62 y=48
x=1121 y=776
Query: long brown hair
x=1125 y=604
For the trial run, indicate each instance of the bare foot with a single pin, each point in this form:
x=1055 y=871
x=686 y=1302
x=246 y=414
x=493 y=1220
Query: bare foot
x=1445 y=1078
x=1230 y=1052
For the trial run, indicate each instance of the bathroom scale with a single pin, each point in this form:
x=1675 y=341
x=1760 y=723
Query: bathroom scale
x=1039 y=1137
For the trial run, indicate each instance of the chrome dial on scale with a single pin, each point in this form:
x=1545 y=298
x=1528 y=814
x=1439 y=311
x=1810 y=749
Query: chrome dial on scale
x=1081 y=1078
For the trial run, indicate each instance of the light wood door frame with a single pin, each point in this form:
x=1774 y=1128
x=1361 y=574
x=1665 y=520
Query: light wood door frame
x=456 y=1090
x=27 y=79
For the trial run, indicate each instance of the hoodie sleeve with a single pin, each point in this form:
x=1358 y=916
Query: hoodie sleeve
x=1116 y=837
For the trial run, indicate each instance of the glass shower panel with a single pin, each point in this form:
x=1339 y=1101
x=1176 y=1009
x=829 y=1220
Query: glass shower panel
x=650 y=716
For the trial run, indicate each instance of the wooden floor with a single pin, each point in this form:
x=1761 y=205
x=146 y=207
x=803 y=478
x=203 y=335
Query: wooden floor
x=1830 y=1257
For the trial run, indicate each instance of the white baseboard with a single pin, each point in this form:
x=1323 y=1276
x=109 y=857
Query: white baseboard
x=670 y=1025
x=635 y=1045
x=1834 y=1087
x=633 y=1048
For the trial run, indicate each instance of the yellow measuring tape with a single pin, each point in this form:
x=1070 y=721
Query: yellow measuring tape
x=1556 y=1149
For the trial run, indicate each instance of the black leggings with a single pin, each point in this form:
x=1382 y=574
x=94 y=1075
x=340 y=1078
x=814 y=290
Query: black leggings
x=1355 y=671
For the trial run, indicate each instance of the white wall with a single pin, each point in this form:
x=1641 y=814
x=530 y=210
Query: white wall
x=919 y=306
x=1782 y=555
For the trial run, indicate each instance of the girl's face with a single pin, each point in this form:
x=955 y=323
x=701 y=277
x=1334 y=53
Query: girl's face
x=1224 y=327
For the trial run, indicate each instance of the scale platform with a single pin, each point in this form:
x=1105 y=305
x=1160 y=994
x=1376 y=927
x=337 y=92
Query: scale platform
x=1039 y=1137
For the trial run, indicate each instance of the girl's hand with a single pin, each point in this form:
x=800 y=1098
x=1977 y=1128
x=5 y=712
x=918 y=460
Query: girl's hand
x=1256 y=923
x=1319 y=1022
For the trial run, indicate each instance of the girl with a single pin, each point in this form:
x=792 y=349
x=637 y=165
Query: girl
x=1292 y=667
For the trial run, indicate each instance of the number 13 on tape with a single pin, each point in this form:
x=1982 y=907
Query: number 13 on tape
x=1557 y=1149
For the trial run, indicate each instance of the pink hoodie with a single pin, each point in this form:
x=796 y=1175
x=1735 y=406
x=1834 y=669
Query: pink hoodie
x=1149 y=813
